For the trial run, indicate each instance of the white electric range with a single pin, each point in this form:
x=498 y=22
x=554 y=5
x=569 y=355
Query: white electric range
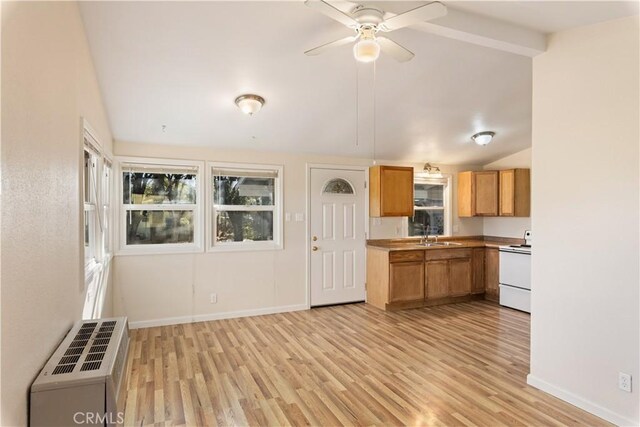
x=515 y=275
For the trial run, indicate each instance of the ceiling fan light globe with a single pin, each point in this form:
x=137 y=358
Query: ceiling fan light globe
x=366 y=50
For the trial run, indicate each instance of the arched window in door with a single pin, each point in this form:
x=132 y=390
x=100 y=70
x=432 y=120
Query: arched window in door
x=337 y=186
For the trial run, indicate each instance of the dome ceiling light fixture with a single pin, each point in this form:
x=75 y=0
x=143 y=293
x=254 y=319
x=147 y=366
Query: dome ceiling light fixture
x=250 y=103
x=483 y=138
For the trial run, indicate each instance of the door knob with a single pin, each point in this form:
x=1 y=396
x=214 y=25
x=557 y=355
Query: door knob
x=315 y=248
x=314 y=238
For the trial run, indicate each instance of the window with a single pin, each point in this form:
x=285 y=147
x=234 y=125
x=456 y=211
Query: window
x=161 y=206
x=431 y=207
x=90 y=191
x=96 y=185
x=246 y=207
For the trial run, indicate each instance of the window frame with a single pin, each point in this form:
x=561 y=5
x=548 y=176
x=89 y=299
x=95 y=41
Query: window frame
x=446 y=180
x=165 y=248
x=97 y=262
x=278 y=226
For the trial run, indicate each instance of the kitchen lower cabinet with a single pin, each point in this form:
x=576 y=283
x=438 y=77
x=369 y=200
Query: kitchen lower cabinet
x=459 y=277
x=406 y=281
x=416 y=278
x=477 y=264
x=492 y=270
x=437 y=283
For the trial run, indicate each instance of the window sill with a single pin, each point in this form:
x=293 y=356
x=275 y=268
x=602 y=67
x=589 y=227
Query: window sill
x=159 y=250
x=245 y=247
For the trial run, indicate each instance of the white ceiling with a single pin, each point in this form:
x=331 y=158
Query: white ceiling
x=181 y=64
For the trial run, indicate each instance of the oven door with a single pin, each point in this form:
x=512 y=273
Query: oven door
x=515 y=269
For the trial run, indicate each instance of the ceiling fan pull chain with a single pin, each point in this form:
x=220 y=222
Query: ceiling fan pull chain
x=374 y=111
x=357 y=104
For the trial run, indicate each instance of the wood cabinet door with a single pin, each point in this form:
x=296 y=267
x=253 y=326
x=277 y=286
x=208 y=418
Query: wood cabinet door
x=477 y=261
x=406 y=281
x=507 y=192
x=486 y=193
x=460 y=277
x=396 y=184
x=491 y=272
x=465 y=194
x=437 y=279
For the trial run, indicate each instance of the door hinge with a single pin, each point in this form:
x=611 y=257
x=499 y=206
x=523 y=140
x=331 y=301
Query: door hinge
x=365 y=184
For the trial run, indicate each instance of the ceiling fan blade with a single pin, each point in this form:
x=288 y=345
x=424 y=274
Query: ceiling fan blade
x=394 y=50
x=419 y=14
x=321 y=49
x=332 y=12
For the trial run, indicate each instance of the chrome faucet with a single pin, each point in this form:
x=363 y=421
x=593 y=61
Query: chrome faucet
x=425 y=234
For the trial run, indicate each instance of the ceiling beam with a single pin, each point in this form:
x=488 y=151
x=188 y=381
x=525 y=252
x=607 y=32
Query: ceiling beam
x=487 y=32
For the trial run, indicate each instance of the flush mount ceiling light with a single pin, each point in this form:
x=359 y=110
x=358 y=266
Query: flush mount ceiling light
x=483 y=138
x=432 y=171
x=249 y=103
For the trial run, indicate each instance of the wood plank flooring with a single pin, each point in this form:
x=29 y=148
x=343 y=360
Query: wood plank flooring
x=455 y=365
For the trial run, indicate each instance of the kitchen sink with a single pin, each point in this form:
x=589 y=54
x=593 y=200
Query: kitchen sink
x=429 y=244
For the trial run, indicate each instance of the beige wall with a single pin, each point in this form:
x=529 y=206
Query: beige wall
x=585 y=297
x=48 y=83
x=177 y=287
x=505 y=226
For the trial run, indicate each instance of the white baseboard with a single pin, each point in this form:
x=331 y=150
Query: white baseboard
x=579 y=401
x=215 y=316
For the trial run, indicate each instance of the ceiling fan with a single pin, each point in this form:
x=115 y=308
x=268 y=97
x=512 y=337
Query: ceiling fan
x=368 y=21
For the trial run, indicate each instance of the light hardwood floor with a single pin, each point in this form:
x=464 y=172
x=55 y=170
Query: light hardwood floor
x=455 y=365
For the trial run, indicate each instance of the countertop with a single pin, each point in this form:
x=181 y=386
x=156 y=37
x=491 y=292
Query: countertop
x=412 y=243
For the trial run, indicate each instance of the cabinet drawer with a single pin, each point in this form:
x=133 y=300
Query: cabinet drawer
x=433 y=254
x=406 y=256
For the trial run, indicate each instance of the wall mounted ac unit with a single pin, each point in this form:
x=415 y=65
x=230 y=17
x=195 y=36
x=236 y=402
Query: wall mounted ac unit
x=84 y=382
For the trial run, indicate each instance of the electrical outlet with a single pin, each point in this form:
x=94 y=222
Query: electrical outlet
x=213 y=298
x=624 y=382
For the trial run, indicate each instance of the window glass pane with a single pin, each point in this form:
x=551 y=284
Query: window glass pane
x=242 y=226
x=429 y=195
x=86 y=172
x=243 y=191
x=338 y=186
x=157 y=227
x=434 y=219
x=159 y=188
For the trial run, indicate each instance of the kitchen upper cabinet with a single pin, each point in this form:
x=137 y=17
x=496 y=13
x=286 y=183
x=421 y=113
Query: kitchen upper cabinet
x=478 y=193
x=390 y=191
x=494 y=193
x=515 y=192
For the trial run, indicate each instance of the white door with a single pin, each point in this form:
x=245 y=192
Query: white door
x=337 y=236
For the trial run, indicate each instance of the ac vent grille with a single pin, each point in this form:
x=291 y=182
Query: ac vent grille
x=103 y=335
x=70 y=359
x=93 y=357
x=90 y=366
x=72 y=351
x=63 y=369
x=90 y=334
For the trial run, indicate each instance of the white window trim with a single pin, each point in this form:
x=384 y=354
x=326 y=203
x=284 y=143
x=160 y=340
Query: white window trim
x=96 y=267
x=166 y=248
x=448 y=208
x=278 y=235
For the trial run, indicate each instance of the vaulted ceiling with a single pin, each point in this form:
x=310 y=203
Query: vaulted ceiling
x=182 y=64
